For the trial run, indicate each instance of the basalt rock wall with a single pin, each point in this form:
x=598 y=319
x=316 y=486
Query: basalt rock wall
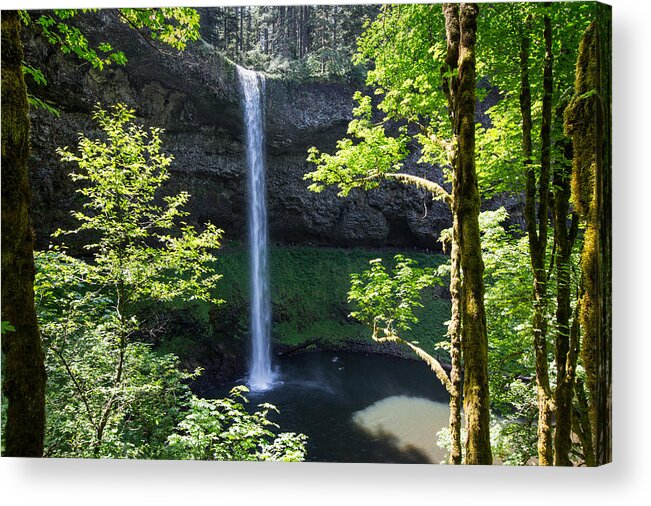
x=194 y=96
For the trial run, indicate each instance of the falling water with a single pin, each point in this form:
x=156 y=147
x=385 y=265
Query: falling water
x=252 y=86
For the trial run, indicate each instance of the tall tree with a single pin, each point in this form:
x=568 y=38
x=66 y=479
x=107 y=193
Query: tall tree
x=537 y=222
x=23 y=363
x=24 y=380
x=586 y=120
x=408 y=85
x=461 y=28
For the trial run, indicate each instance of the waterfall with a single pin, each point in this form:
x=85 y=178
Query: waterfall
x=252 y=86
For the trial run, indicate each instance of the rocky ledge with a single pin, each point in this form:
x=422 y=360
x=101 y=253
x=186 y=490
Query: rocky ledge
x=194 y=96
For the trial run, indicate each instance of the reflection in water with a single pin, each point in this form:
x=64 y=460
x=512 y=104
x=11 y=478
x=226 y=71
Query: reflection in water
x=410 y=424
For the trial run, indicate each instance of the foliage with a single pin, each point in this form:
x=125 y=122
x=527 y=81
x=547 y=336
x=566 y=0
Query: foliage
x=174 y=26
x=303 y=42
x=79 y=329
x=509 y=308
x=362 y=164
x=222 y=429
x=120 y=396
x=406 y=44
x=309 y=287
x=404 y=48
x=513 y=439
x=136 y=254
x=38 y=78
x=516 y=437
x=7 y=327
x=509 y=311
x=386 y=299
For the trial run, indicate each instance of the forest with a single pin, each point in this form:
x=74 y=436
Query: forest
x=361 y=233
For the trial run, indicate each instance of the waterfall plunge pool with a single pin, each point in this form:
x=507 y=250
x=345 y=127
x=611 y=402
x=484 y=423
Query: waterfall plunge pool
x=357 y=407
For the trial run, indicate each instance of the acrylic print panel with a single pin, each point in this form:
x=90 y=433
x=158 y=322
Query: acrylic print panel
x=332 y=233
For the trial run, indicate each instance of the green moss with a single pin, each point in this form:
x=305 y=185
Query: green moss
x=309 y=290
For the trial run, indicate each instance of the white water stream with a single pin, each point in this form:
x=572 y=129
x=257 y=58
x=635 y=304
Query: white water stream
x=252 y=86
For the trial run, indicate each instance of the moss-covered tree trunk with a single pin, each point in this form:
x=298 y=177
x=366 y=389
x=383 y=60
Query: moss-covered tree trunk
x=567 y=333
x=587 y=121
x=450 y=88
x=23 y=362
x=454 y=332
x=536 y=223
x=604 y=217
x=461 y=27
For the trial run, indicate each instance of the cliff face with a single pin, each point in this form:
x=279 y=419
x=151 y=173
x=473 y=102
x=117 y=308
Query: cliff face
x=194 y=97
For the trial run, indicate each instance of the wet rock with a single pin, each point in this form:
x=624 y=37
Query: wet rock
x=194 y=96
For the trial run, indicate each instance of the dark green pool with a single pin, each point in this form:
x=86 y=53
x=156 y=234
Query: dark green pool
x=358 y=407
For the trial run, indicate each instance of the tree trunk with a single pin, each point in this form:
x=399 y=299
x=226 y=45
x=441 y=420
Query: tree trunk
x=460 y=26
x=248 y=28
x=241 y=37
x=225 y=30
x=566 y=332
x=458 y=76
x=581 y=424
x=23 y=366
x=305 y=30
x=466 y=202
x=587 y=121
x=537 y=233
x=454 y=332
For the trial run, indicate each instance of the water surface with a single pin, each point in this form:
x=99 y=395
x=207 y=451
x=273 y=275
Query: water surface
x=358 y=408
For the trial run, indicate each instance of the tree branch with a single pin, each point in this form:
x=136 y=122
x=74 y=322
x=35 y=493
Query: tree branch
x=147 y=39
x=437 y=191
x=58 y=353
x=434 y=364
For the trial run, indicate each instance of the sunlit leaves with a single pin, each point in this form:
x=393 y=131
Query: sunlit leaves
x=139 y=244
x=79 y=326
x=406 y=44
x=406 y=47
x=386 y=299
x=117 y=397
x=175 y=26
x=222 y=429
x=360 y=161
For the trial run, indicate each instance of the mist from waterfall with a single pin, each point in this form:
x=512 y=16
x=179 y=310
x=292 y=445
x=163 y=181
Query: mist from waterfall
x=252 y=86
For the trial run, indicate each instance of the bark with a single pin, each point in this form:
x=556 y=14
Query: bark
x=581 y=424
x=454 y=332
x=587 y=120
x=567 y=329
x=305 y=40
x=566 y=357
x=23 y=361
x=466 y=202
x=536 y=224
x=450 y=85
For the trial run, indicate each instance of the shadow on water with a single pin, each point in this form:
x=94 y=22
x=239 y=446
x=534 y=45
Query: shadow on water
x=358 y=408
